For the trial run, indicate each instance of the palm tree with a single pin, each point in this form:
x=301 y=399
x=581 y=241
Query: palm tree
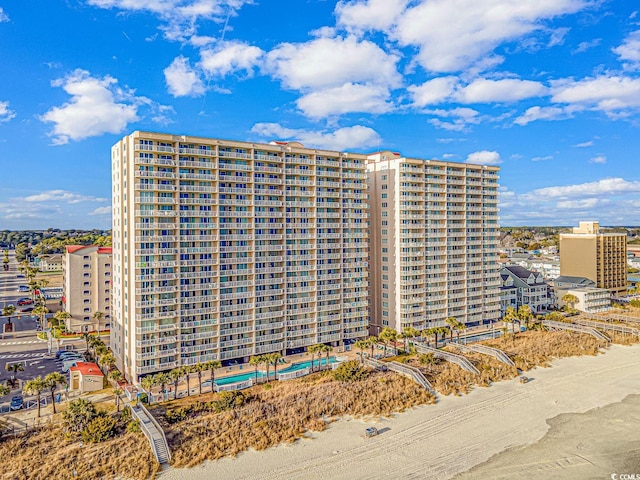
x=211 y=366
x=426 y=333
x=256 y=361
x=35 y=387
x=570 y=300
x=53 y=380
x=98 y=316
x=410 y=332
x=107 y=360
x=188 y=370
x=86 y=336
x=147 y=382
x=115 y=376
x=117 y=392
x=41 y=311
x=176 y=375
x=161 y=379
x=274 y=358
x=327 y=349
x=511 y=316
x=387 y=335
x=199 y=368
x=361 y=344
x=452 y=322
x=95 y=342
x=8 y=311
x=4 y=390
x=525 y=314
x=373 y=340
x=427 y=359
x=312 y=350
x=62 y=317
x=459 y=327
x=15 y=368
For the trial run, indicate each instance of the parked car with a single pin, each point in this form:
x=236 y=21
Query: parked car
x=68 y=355
x=60 y=352
x=25 y=301
x=67 y=364
x=25 y=310
x=23 y=288
x=19 y=276
x=16 y=403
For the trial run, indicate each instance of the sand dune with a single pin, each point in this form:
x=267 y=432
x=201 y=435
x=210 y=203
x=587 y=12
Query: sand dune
x=453 y=436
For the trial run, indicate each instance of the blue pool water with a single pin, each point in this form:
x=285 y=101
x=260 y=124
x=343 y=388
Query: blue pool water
x=242 y=377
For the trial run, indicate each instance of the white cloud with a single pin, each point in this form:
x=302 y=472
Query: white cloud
x=344 y=99
x=461 y=118
x=332 y=62
x=101 y=211
x=97 y=106
x=629 y=51
x=230 y=57
x=584 y=46
x=600 y=159
x=542 y=113
x=606 y=186
x=484 y=157
x=6 y=114
x=369 y=14
x=579 y=204
x=62 y=196
x=484 y=90
x=345 y=138
x=182 y=80
x=613 y=95
x=3 y=16
x=584 y=144
x=542 y=159
x=454 y=34
x=181 y=17
x=433 y=91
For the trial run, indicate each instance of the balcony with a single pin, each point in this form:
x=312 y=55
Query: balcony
x=236 y=353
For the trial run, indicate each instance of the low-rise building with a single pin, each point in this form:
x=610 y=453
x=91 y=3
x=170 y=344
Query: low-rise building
x=85 y=377
x=87 y=287
x=591 y=299
x=524 y=287
x=49 y=263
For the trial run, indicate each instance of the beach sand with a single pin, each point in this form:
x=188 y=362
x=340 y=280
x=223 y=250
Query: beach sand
x=459 y=433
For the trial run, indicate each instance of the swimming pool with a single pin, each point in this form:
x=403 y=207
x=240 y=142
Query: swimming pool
x=302 y=365
x=243 y=377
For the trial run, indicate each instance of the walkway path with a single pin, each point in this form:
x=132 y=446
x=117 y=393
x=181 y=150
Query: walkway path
x=153 y=432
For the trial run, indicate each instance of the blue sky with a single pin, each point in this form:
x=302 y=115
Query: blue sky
x=547 y=89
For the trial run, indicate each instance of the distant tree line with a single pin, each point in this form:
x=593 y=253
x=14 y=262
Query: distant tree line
x=37 y=242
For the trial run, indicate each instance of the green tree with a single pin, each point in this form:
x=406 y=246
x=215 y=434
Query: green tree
x=525 y=315
x=273 y=359
x=188 y=370
x=511 y=317
x=410 y=332
x=256 y=361
x=41 y=311
x=459 y=327
x=8 y=311
x=107 y=360
x=117 y=392
x=427 y=359
x=86 y=336
x=326 y=349
x=387 y=335
x=570 y=300
x=212 y=365
x=13 y=369
x=101 y=428
x=176 y=375
x=362 y=345
x=35 y=387
x=312 y=350
x=97 y=316
x=115 y=376
x=199 y=368
x=54 y=380
x=4 y=390
x=452 y=322
x=162 y=379
x=62 y=317
x=373 y=341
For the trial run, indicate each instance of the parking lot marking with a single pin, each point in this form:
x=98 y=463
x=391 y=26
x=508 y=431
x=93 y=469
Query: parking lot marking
x=23 y=355
x=26 y=342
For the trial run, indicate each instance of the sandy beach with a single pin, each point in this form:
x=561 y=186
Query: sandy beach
x=509 y=430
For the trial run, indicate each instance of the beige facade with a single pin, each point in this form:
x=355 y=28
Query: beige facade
x=434 y=242
x=600 y=257
x=85 y=377
x=591 y=300
x=86 y=276
x=227 y=249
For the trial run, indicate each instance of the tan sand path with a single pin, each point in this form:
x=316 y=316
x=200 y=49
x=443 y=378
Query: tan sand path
x=445 y=439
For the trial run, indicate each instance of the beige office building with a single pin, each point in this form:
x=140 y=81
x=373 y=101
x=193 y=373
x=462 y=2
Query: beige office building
x=86 y=281
x=434 y=242
x=600 y=257
x=225 y=249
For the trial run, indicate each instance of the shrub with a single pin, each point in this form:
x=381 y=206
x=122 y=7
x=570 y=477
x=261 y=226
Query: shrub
x=100 y=429
x=228 y=401
x=174 y=415
x=133 y=426
x=350 y=371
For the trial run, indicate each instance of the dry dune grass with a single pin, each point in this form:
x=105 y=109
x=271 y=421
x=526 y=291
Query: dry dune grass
x=47 y=454
x=536 y=348
x=284 y=413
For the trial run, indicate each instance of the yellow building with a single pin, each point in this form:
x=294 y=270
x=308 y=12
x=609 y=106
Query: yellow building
x=434 y=242
x=225 y=249
x=600 y=257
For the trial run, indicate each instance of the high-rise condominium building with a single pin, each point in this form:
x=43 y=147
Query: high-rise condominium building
x=86 y=287
x=434 y=242
x=225 y=249
x=600 y=257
